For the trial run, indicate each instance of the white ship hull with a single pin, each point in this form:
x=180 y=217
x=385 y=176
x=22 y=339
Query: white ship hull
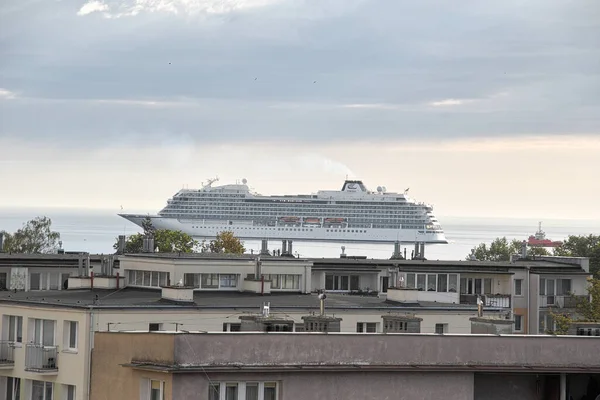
x=206 y=229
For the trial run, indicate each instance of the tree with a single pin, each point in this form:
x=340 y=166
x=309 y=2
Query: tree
x=582 y=246
x=36 y=236
x=165 y=240
x=226 y=242
x=501 y=250
x=588 y=310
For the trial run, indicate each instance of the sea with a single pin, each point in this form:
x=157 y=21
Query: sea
x=95 y=231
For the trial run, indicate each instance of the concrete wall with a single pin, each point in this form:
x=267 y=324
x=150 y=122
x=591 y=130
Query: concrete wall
x=400 y=350
x=506 y=386
x=346 y=386
x=111 y=381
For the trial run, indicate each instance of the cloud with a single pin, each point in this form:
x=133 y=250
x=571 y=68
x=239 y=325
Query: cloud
x=298 y=70
x=7 y=94
x=450 y=102
x=92 y=7
x=131 y=8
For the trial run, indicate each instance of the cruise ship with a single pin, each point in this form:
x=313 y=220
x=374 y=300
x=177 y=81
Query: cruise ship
x=352 y=214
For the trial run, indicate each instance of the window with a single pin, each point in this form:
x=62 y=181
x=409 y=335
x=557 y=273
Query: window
x=563 y=287
x=13 y=388
x=15 y=328
x=70 y=332
x=147 y=278
x=242 y=390
x=366 y=327
x=42 y=331
x=228 y=281
x=232 y=327
x=213 y=391
x=441 y=328
x=69 y=392
x=153 y=327
x=487 y=285
x=341 y=282
x=431 y=282
x=210 y=281
x=442 y=284
x=518 y=287
x=231 y=391
x=518 y=323
x=156 y=390
x=42 y=390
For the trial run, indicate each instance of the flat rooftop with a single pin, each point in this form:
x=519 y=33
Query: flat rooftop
x=133 y=298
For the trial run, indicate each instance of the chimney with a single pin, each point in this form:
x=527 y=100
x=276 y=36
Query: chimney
x=416 y=253
x=265 y=321
x=1 y=242
x=524 y=249
x=264 y=248
x=80 y=265
x=422 y=252
x=321 y=322
x=397 y=255
x=121 y=246
x=258 y=268
x=283 y=247
x=290 y=252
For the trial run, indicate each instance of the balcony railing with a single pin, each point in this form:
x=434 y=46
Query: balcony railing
x=7 y=353
x=489 y=300
x=39 y=358
x=566 y=301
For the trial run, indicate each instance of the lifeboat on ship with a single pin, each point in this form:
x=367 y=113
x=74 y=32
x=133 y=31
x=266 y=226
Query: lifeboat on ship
x=312 y=220
x=289 y=220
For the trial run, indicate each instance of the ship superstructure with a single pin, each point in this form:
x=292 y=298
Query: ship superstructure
x=352 y=214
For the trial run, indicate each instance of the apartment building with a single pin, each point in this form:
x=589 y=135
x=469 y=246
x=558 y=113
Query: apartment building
x=46 y=346
x=37 y=272
x=297 y=366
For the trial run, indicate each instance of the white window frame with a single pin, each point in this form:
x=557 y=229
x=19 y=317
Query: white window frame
x=15 y=319
x=444 y=328
x=520 y=319
x=161 y=395
x=16 y=382
x=66 y=392
x=362 y=327
x=241 y=388
x=67 y=336
x=45 y=383
x=520 y=294
x=32 y=323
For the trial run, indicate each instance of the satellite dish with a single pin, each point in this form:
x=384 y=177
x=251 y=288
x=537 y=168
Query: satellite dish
x=322 y=296
x=244 y=181
x=384 y=189
x=379 y=189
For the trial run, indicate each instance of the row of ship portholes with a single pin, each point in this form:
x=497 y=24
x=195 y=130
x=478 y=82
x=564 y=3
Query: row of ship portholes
x=290 y=229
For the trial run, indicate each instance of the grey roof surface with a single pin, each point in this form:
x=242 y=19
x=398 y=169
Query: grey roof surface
x=141 y=298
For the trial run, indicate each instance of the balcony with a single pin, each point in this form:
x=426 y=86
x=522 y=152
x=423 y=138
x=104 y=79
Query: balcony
x=7 y=358
x=489 y=300
x=566 y=301
x=41 y=359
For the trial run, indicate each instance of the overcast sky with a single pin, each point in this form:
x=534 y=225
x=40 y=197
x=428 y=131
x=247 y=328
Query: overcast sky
x=481 y=107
